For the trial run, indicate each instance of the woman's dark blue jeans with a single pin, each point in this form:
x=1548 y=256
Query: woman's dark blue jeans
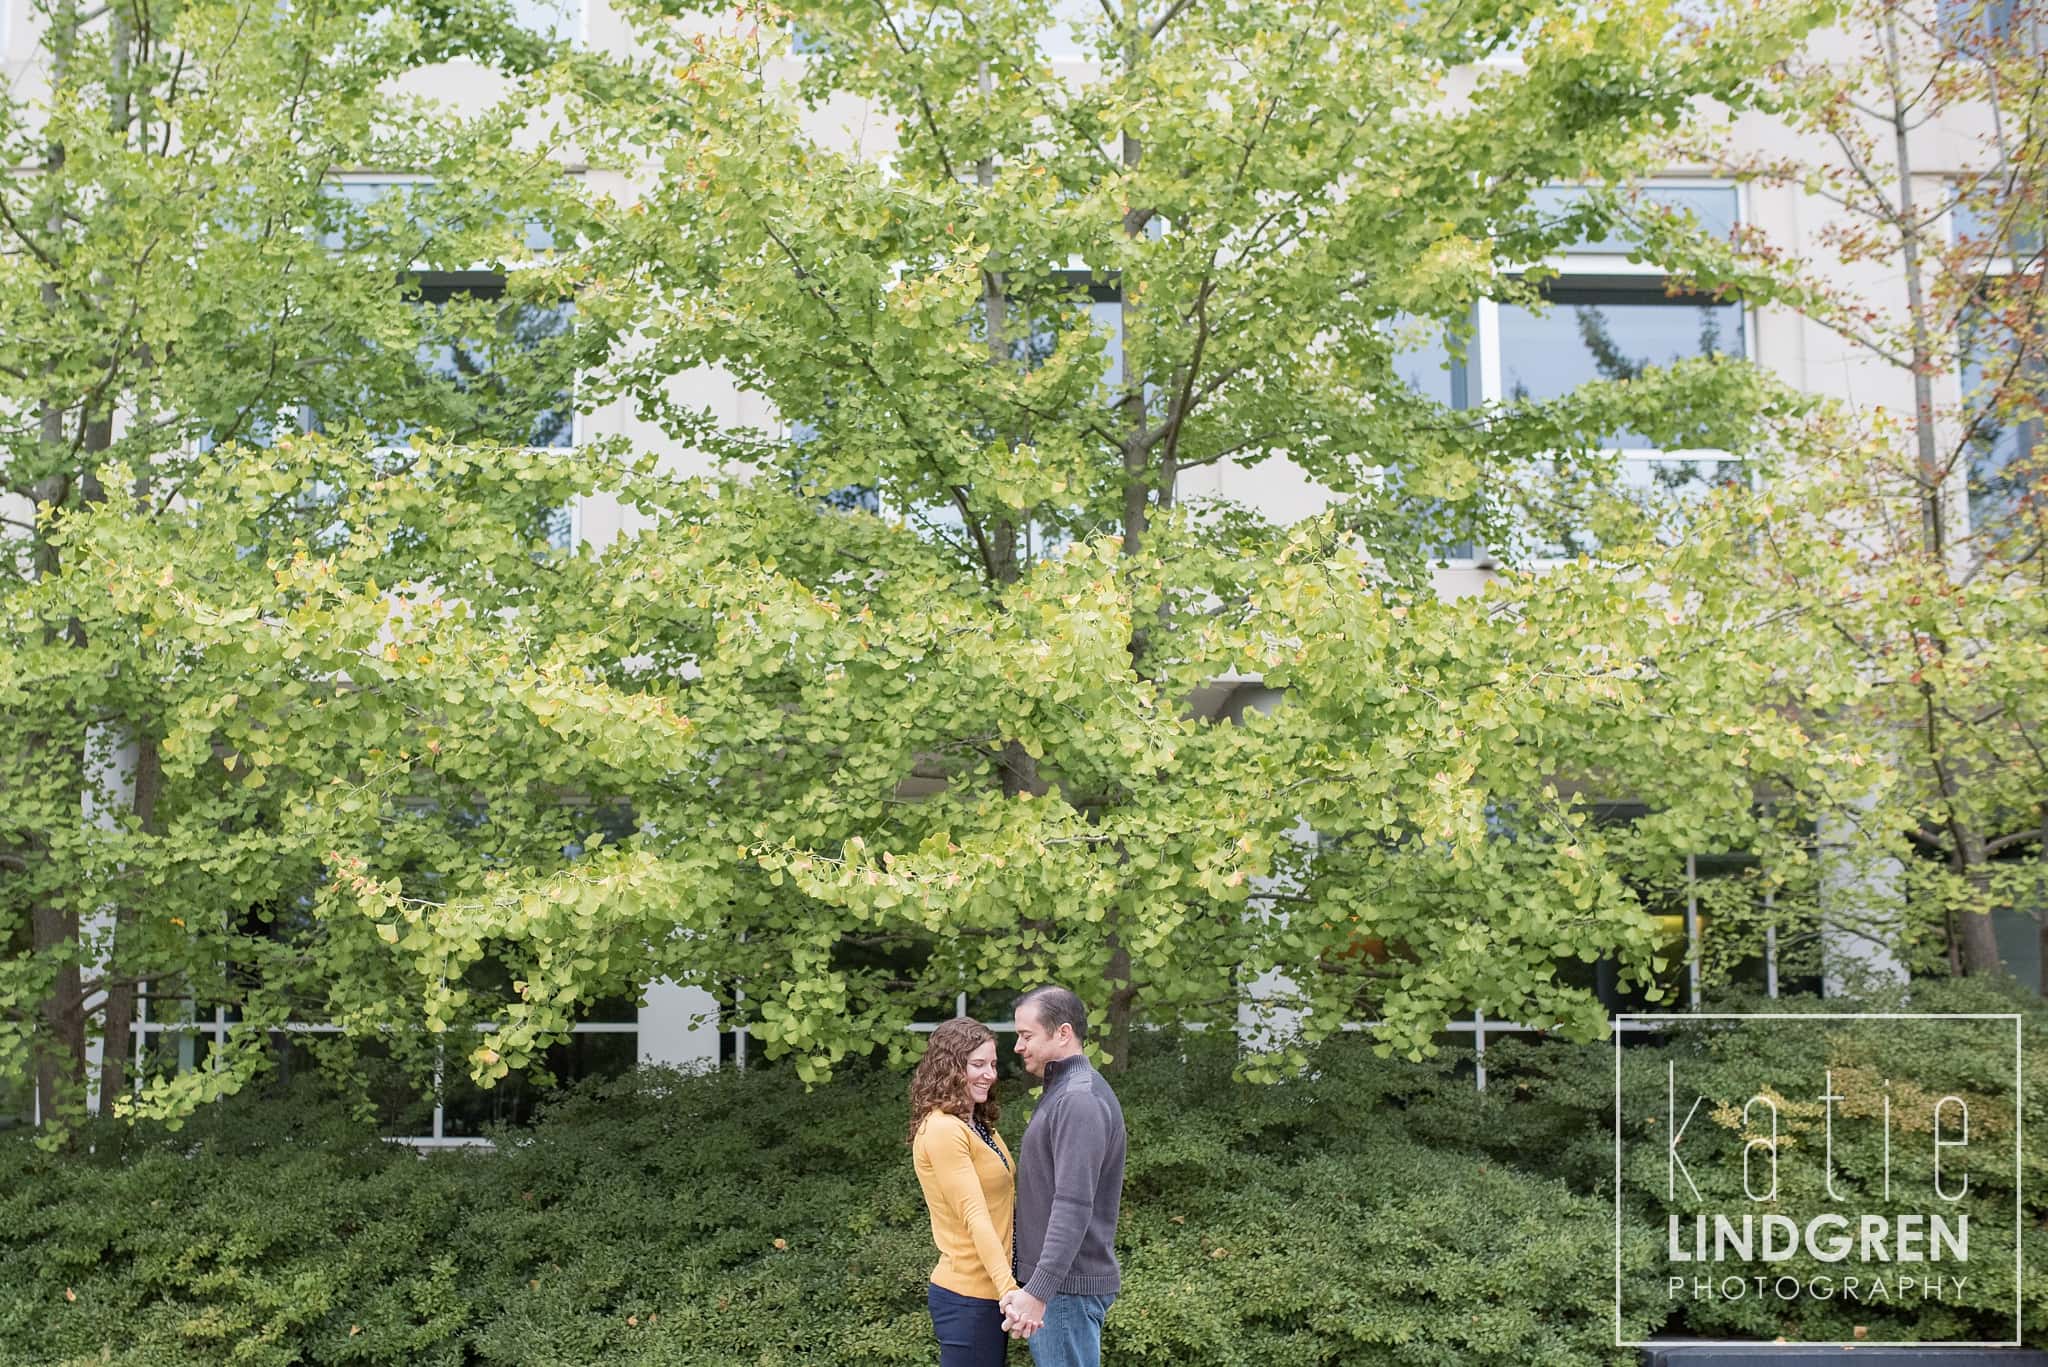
x=970 y=1329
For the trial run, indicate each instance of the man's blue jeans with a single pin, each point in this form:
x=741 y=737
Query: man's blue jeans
x=1072 y=1336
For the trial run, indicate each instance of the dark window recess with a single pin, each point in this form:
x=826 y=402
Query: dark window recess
x=400 y=1088
x=493 y=364
x=467 y=1110
x=1728 y=906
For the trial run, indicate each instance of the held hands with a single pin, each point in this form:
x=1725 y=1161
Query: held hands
x=1023 y=1314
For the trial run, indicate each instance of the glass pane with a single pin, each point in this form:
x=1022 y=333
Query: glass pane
x=1967 y=21
x=1680 y=479
x=402 y=1099
x=1656 y=484
x=470 y=365
x=2010 y=228
x=2004 y=444
x=1434 y=367
x=168 y=1052
x=1433 y=364
x=406 y=206
x=1108 y=317
x=1589 y=334
x=549 y=18
x=1715 y=206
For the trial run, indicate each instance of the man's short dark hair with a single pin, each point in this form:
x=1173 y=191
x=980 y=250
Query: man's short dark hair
x=1055 y=1007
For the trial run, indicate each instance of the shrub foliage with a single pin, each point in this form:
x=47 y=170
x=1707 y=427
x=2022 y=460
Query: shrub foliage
x=1373 y=1211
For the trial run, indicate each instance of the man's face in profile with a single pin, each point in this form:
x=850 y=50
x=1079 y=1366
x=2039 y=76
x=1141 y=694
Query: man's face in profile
x=1033 y=1046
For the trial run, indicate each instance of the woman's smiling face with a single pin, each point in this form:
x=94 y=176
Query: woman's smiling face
x=981 y=1071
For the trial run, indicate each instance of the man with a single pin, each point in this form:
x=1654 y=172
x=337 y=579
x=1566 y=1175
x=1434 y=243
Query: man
x=1070 y=1183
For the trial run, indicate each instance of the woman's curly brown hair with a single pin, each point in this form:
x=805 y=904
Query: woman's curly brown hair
x=940 y=1081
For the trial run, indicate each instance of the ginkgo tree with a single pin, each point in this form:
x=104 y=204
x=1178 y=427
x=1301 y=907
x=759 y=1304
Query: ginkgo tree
x=437 y=782
x=1028 y=315
x=1914 y=537
x=191 y=256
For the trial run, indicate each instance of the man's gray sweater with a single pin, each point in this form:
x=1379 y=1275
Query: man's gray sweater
x=1070 y=1183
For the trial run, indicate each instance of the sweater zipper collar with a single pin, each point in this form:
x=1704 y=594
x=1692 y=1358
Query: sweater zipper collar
x=1060 y=1069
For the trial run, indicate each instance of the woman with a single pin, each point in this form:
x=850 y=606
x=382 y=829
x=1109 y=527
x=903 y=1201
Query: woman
x=969 y=1185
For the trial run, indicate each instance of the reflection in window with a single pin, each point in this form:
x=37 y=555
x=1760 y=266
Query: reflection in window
x=1659 y=486
x=484 y=361
x=1434 y=366
x=1608 y=334
x=2003 y=445
x=1614 y=333
x=492 y=369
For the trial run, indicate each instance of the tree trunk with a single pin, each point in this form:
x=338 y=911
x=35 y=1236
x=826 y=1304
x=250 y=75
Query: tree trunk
x=1979 y=945
x=60 y=1063
x=1139 y=483
x=1121 y=995
x=1932 y=470
x=1973 y=939
x=1976 y=937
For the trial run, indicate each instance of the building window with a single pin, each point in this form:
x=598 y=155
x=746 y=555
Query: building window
x=1970 y=22
x=1433 y=364
x=2017 y=232
x=1603 y=317
x=494 y=357
x=1608 y=333
x=491 y=367
x=1609 y=318
x=2001 y=366
x=1035 y=325
x=1714 y=208
x=402 y=212
x=2005 y=391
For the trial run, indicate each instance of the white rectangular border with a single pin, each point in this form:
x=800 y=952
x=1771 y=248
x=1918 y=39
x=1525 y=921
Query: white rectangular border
x=2019 y=1167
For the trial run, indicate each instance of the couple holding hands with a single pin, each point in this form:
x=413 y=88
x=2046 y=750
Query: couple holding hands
x=1026 y=1248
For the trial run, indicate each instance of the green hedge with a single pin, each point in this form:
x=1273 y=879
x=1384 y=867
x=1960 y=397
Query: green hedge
x=1376 y=1212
